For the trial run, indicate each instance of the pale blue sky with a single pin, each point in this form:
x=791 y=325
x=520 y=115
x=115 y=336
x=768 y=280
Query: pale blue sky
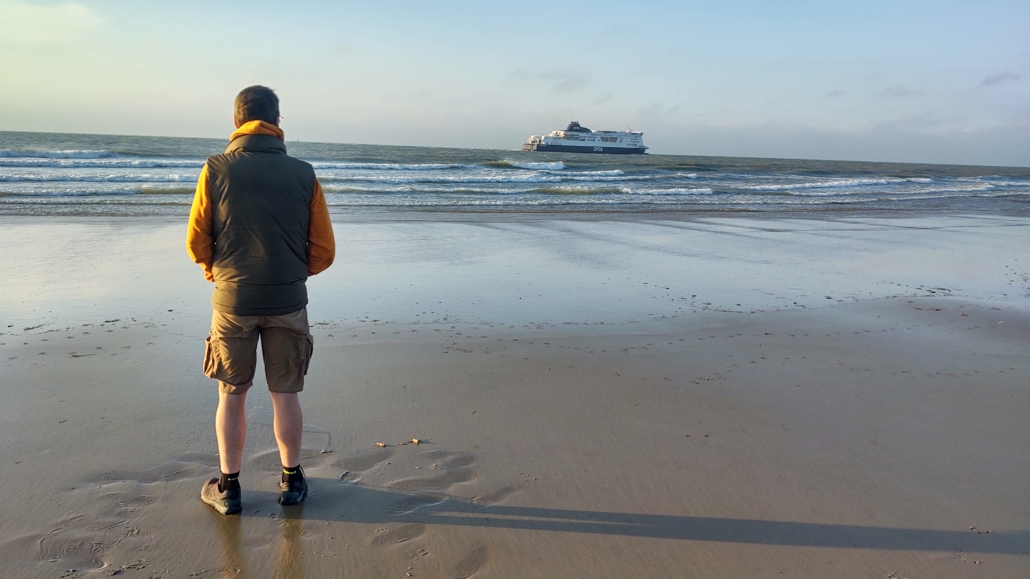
x=944 y=82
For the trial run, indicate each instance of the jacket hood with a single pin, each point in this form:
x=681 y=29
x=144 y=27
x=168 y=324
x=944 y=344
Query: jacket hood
x=257 y=128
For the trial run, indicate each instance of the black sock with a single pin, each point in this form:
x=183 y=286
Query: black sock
x=228 y=481
x=293 y=474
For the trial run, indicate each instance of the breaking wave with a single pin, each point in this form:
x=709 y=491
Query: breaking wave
x=112 y=178
x=542 y=166
x=60 y=154
x=99 y=163
x=831 y=184
x=676 y=191
x=321 y=165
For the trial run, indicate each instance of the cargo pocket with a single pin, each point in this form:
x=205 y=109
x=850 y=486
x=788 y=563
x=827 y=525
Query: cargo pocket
x=309 y=349
x=229 y=360
x=213 y=365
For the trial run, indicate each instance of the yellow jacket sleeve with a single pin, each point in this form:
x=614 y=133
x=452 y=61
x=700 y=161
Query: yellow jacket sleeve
x=199 y=244
x=321 y=243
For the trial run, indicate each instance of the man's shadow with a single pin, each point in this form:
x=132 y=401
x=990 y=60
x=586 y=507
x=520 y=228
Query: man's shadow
x=331 y=500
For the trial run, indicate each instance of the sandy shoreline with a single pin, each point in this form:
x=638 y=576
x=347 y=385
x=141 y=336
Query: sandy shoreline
x=719 y=397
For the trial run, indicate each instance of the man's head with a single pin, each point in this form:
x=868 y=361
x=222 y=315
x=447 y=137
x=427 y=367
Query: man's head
x=256 y=103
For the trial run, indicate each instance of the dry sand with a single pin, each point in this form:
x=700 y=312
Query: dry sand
x=717 y=397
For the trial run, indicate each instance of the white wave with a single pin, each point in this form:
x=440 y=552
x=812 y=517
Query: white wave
x=115 y=178
x=553 y=166
x=92 y=189
x=477 y=177
x=62 y=154
x=934 y=192
x=494 y=201
x=611 y=173
x=970 y=188
x=378 y=188
x=1002 y=193
x=831 y=184
x=470 y=189
x=105 y=163
x=941 y=194
x=421 y=200
x=388 y=166
x=675 y=191
x=996 y=181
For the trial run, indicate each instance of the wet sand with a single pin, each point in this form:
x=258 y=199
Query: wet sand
x=716 y=397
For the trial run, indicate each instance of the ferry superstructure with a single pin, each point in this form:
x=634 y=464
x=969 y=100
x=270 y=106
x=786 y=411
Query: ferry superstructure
x=579 y=139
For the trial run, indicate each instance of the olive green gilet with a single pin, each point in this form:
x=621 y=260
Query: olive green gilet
x=260 y=200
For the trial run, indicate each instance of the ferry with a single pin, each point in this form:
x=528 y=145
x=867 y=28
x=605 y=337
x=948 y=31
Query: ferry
x=579 y=139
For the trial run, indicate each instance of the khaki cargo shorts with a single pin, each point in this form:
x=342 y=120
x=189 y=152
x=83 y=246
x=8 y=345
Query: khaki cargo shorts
x=230 y=355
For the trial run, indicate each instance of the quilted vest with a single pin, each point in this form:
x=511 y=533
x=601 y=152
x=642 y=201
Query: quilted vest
x=260 y=200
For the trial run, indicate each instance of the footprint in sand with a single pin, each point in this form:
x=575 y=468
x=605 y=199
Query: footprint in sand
x=473 y=561
x=448 y=468
x=362 y=462
x=106 y=535
x=130 y=501
x=443 y=469
x=401 y=534
x=87 y=543
x=412 y=503
x=189 y=465
x=494 y=497
x=74 y=552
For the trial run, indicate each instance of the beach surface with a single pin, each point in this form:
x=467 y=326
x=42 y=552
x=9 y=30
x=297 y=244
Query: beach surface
x=593 y=396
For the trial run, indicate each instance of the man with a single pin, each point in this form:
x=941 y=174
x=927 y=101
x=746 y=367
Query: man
x=259 y=226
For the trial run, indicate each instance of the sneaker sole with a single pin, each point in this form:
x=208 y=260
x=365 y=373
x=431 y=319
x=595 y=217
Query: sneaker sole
x=289 y=502
x=233 y=508
x=225 y=509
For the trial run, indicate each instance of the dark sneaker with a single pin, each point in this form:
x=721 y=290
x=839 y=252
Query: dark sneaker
x=228 y=502
x=293 y=490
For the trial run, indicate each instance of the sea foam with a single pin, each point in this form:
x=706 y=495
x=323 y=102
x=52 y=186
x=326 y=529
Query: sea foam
x=60 y=154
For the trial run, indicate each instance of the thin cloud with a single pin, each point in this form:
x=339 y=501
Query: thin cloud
x=1001 y=77
x=657 y=109
x=560 y=79
x=565 y=79
x=833 y=94
x=652 y=110
x=897 y=91
x=619 y=29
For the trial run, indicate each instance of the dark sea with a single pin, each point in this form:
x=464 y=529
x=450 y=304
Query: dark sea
x=73 y=174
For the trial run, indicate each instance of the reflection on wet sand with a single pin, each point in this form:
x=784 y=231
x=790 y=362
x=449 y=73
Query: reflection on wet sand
x=288 y=564
x=288 y=561
x=230 y=532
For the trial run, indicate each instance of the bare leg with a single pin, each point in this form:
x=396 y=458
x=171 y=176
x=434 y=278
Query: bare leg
x=231 y=430
x=288 y=420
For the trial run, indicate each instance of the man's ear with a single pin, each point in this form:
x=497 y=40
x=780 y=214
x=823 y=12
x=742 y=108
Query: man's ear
x=235 y=122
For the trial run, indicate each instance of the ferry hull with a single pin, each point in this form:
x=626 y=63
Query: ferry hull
x=597 y=149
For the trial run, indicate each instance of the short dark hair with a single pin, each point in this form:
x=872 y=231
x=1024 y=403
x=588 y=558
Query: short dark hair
x=257 y=103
